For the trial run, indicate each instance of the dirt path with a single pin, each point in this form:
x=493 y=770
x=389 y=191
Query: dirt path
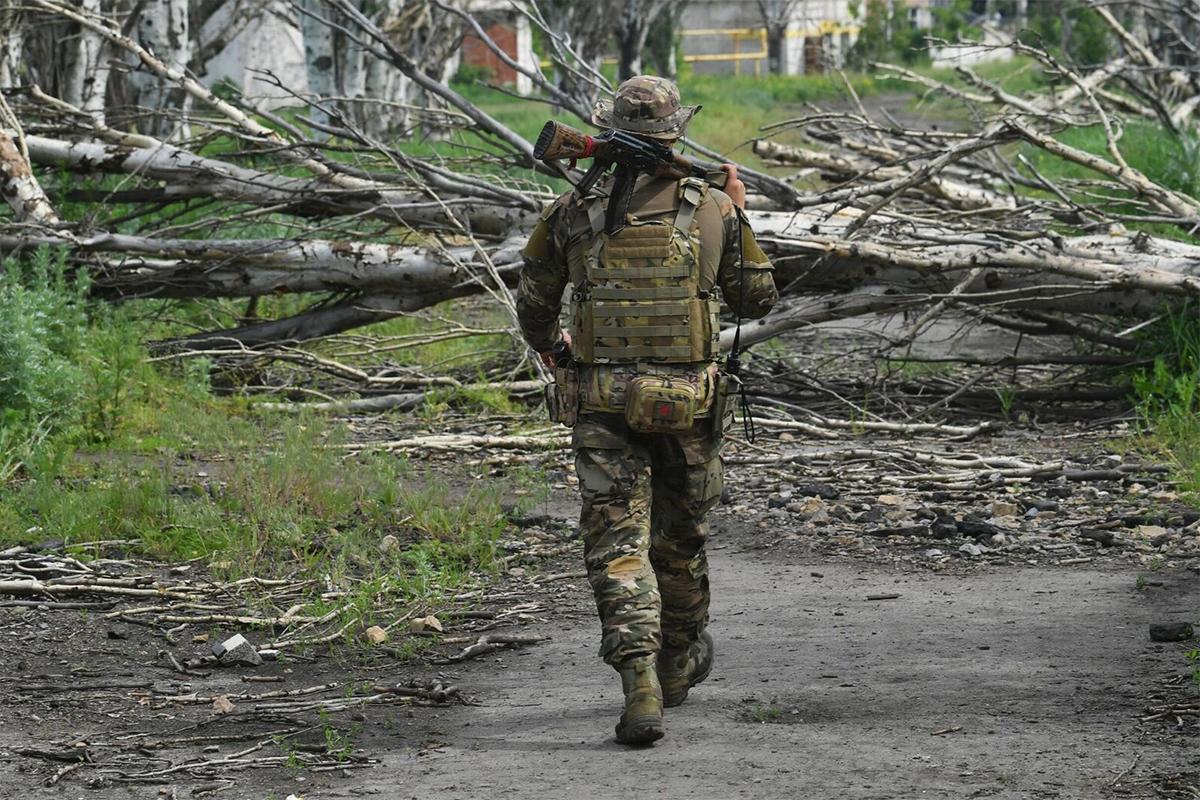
x=1021 y=644
x=1039 y=675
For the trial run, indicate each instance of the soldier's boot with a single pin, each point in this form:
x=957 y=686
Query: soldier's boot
x=680 y=670
x=642 y=720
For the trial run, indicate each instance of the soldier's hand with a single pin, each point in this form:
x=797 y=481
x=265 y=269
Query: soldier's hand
x=548 y=355
x=734 y=186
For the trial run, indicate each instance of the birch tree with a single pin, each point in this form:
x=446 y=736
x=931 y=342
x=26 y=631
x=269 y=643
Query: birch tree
x=86 y=82
x=162 y=28
x=12 y=24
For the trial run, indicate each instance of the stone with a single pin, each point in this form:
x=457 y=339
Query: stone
x=389 y=544
x=236 y=650
x=429 y=623
x=1004 y=508
x=376 y=634
x=971 y=549
x=808 y=508
x=1171 y=632
x=779 y=499
x=821 y=490
x=977 y=528
x=944 y=527
x=889 y=499
x=223 y=705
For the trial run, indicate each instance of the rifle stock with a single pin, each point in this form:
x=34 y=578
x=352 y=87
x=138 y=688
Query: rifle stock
x=559 y=142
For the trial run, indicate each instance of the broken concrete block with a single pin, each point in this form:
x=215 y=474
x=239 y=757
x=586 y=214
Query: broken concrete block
x=237 y=649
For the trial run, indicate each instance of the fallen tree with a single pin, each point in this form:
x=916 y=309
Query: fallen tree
x=922 y=222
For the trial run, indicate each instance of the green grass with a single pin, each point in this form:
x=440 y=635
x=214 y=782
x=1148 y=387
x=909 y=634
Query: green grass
x=1170 y=160
x=1168 y=396
x=99 y=444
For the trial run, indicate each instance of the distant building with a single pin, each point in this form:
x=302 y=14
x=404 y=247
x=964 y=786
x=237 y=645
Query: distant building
x=510 y=30
x=729 y=37
x=920 y=13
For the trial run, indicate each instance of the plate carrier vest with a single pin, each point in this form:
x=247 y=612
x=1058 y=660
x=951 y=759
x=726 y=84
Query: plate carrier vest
x=640 y=298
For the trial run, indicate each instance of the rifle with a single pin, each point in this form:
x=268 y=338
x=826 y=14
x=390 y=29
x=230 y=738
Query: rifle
x=629 y=153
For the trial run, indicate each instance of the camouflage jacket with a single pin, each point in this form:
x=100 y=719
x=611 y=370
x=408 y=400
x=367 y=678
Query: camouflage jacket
x=563 y=237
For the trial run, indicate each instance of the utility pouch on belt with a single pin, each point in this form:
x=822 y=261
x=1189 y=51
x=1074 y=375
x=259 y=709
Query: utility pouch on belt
x=724 y=402
x=658 y=404
x=562 y=396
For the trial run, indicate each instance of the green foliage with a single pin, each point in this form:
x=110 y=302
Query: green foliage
x=42 y=332
x=1070 y=29
x=765 y=714
x=886 y=34
x=1168 y=394
x=950 y=22
x=1165 y=158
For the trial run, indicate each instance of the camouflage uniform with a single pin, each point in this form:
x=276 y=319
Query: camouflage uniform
x=645 y=495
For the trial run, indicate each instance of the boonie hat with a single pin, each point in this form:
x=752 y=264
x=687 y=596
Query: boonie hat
x=646 y=105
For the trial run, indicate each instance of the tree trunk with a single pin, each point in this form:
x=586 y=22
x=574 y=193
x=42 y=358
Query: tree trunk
x=631 y=38
x=12 y=28
x=86 y=84
x=18 y=186
x=162 y=28
x=319 y=57
x=776 y=35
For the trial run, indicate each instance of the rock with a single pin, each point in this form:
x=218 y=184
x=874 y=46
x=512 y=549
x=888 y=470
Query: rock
x=871 y=515
x=998 y=540
x=223 y=705
x=1031 y=512
x=1004 y=508
x=116 y=633
x=971 y=549
x=932 y=552
x=776 y=501
x=1041 y=504
x=889 y=500
x=977 y=528
x=810 y=508
x=1171 y=632
x=903 y=530
x=429 y=623
x=389 y=544
x=1150 y=531
x=821 y=490
x=1104 y=538
x=376 y=634
x=726 y=496
x=944 y=527
x=236 y=650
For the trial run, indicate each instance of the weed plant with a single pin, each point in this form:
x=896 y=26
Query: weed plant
x=1168 y=394
x=96 y=443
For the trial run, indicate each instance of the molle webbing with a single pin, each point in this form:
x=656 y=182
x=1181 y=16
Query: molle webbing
x=651 y=293
x=642 y=299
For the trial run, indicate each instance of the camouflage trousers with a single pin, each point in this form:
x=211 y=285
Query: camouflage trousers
x=645 y=498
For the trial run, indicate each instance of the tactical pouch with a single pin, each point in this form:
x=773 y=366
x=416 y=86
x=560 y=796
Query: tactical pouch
x=562 y=396
x=724 y=402
x=658 y=404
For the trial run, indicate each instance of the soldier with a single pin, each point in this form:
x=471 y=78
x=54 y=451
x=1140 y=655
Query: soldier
x=645 y=394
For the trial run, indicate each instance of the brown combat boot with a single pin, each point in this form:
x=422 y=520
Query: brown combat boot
x=681 y=670
x=642 y=720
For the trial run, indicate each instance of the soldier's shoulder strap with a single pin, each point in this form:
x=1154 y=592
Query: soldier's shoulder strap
x=692 y=192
